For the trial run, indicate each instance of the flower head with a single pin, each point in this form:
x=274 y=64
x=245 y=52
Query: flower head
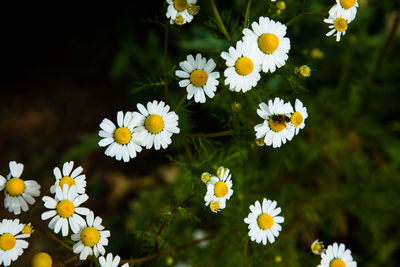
x=219 y=189
x=267 y=37
x=64 y=210
x=317 y=247
x=339 y=22
x=299 y=116
x=69 y=177
x=198 y=78
x=18 y=193
x=109 y=261
x=181 y=11
x=337 y=256
x=11 y=241
x=264 y=224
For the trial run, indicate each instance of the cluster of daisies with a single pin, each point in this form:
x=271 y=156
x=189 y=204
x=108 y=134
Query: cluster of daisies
x=65 y=212
x=152 y=126
x=333 y=256
x=180 y=12
x=340 y=15
x=281 y=122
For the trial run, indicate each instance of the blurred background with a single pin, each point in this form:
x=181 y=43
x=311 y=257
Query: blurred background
x=65 y=67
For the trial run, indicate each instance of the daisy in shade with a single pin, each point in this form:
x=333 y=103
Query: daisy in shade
x=109 y=261
x=339 y=23
x=276 y=128
x=156 y=124
x=198 y=77
x=69 y=177
x=119 y=140
x=264 y=224
x=269 y=41
x=299 y=116
x=11 y=241
x=349 y=8
x=18 y=193
x=91 y=239
x=337 y=256
x=64 y=210
x=181 y=11
x=243 y=70
x=219 y=189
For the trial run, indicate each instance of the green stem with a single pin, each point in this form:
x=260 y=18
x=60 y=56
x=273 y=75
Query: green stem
x=247 y=15
x=181 y=102
x=301 y=15
x=166 y=64
x=221 y=23
x=211 y=135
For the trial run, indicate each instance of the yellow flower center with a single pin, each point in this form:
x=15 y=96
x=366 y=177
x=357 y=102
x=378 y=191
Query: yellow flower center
x=180 y=5
x=304 y=71
x=198 y=78
x=66 y=180
x=340 y=24
x=154 y=123
x=122 y=135
x=244 y=66
x=90 y=236
x=346 y=4
x=268 y=43
x=337 y=263
x=214 y=205
x=27 y=229
x=265 y=221
x=15 y=186
x=65 y=208
x=42 y=259
x=7 y=241
x=220 y=189
x=276 y=126
x=296 y=118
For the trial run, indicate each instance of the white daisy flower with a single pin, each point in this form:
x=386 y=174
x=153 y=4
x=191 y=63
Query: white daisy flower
x=119 y=140
x=110 y=262
x=156 y=124
x=299 y=116
x=91 y=238
x=337 y=256
x=268 y=39
x=11 y=243
x=264 y=224
x=65 y=210
x=219 y=189
x=339 y=23
x=276 y=128
x=181 y=11
x=198 y=77
x=18 y=193
x=317 y=247
x=70 y=178
x=348 y=7
x=243 y=70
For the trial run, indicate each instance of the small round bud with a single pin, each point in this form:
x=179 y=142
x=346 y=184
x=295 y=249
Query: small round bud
x=42 y=259
x=281 y=5
x=236 y=106
x=303 y=71
x=260 y=141
x=205 y=177
x=317 y=53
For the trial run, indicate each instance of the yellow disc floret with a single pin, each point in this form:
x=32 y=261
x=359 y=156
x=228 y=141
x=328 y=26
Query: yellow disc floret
x=15 y=186
x=244 y=66
x=42 y=259
x=296 y=118
x=27 y=229
x=265 y=221
x=154 y=123
x=65 y=208
x=179 y=20
x=205 y=177
x=337 y=263
x=66 y=180
x=346 y=4
x=340 y=24
x=7 y=241
x=304 y=71
x=317 y=247
x=276 y=126
x=214 y=206
x=180 y=5
x=90 y=236
x=268 y=43
x=122 y=135
x=220 y=189
x=198 y=78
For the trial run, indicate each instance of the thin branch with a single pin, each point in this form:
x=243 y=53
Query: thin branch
x=181 y=102
x=211 y=135
x=166 y=64
x=221 y=23
x=301 y=15
x=55 y=238
x=247 y=15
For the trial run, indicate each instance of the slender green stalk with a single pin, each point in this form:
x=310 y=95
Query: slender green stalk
x=166 y=64
x=211 y=135
x=221 y=23
x=247 y=15
x=301 y=15
x=181 y=102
